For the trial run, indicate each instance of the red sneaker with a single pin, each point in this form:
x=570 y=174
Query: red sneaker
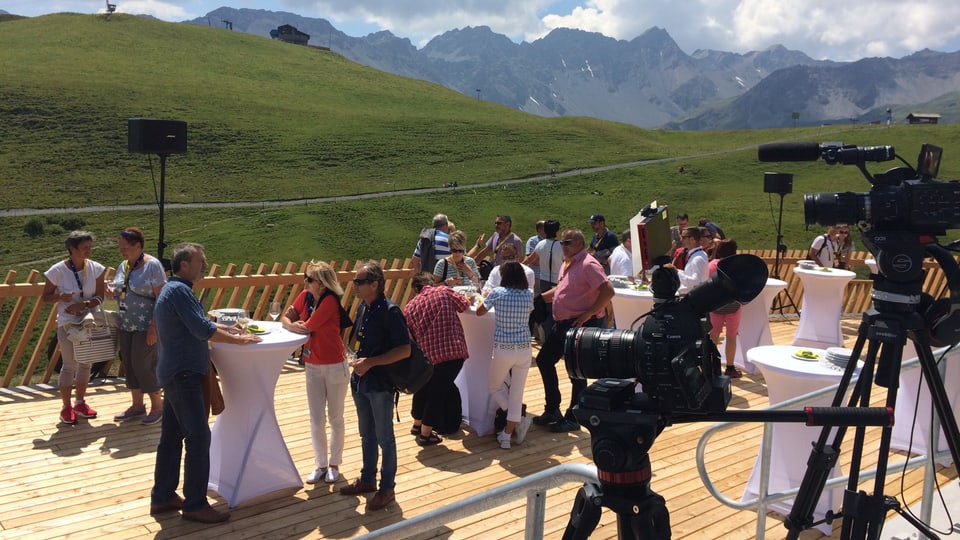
x=67 y=416
x=84 y=411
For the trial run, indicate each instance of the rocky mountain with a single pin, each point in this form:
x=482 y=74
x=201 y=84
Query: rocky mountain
x=647 y=81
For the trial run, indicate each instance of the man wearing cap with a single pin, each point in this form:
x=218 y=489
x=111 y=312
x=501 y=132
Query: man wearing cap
x=603 y=242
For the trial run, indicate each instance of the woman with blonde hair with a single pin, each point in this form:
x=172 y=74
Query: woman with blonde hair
x=458 y=268
x=316 y=311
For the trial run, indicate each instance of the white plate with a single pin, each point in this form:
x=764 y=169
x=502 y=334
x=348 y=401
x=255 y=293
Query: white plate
x=814 y=358
x=264 y=330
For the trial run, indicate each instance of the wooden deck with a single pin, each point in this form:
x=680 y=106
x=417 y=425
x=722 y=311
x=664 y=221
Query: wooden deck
x=93 y=480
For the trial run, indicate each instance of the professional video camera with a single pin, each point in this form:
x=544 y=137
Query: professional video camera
x=903 y=196
x=671 y=355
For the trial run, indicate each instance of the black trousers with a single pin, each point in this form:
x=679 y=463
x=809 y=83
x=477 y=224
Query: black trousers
x=430 y=403
x=550 y=353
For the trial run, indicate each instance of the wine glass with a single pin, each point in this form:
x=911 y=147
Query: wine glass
x=275 y=310
x=243 y=320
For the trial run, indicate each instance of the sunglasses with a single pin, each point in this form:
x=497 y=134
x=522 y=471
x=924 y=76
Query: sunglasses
x=844 y=232
x=308 y=278
x=566 y=242
x=685 y=236
x=362 y=281
x=457 y=250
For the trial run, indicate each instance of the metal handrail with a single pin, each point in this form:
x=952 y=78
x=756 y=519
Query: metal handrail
x=533 y=487
x=764 y=499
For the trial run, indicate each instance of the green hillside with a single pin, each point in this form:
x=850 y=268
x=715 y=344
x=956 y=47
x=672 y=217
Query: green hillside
x=270 y=121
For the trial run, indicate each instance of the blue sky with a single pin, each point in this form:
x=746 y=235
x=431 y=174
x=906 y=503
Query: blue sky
x=837 y=30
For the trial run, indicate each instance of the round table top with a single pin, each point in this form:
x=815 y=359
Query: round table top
x=632 y=293
x=781 y=358
x=275 y=336
x=820 y=272
x=775 y=283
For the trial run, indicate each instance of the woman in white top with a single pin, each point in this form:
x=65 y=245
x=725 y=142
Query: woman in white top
x=76 y=284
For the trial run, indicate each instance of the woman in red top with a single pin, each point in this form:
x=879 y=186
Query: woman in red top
x=316 y=312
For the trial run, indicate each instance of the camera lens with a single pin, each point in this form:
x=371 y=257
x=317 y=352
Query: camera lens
x=595 y=353
x=834 y=208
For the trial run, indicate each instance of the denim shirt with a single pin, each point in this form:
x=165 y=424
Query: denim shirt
x=183 y=330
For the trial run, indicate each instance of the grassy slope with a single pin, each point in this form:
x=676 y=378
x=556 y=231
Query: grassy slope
x=269 y=120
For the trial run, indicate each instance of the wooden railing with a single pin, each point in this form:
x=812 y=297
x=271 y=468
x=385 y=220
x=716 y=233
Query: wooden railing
x=29 y=353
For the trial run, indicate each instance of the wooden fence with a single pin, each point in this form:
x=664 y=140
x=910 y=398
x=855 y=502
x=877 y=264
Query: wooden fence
x=29 y=353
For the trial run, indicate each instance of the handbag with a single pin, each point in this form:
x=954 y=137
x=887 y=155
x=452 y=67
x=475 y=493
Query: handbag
x=100 y=341
x=413 y=372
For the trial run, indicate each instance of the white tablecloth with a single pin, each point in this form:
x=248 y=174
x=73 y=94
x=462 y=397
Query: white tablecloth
x=478 y=408
x=248 y=456
x=907 y=404
x=755 y=324
x=628 y=304
x=822 y=304
x=786 y=378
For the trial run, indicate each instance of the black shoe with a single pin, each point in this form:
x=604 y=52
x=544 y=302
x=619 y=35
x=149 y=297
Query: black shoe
x=733 y=372
x=547 y=418
x=564 y=426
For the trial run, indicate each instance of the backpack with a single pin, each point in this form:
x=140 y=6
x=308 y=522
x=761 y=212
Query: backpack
x=427 y=248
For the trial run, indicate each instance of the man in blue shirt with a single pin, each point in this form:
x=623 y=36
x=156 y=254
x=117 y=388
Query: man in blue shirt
x=183 y=358
x=603 y=242
x=384 y=339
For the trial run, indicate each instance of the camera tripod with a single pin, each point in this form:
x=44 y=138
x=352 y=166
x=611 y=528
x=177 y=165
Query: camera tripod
x=885 y=329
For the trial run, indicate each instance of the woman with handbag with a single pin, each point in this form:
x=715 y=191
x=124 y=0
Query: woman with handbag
x=136 y=285
x=727 y=315
x=512 y=302
x=76 y=285
x=317 y=312
x=457 y=269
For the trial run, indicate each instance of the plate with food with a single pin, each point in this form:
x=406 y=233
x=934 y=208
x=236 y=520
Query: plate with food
x=257 y=329
x=806 y=355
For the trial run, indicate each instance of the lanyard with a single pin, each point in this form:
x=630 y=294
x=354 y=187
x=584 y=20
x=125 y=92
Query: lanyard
x=76 y=275
x=126 y=276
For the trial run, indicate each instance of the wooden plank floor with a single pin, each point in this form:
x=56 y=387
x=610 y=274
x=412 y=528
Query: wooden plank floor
x=93 y=480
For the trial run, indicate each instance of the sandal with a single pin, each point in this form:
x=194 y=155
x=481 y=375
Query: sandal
x=415 y=430
x=429 y=441
x=733 y=372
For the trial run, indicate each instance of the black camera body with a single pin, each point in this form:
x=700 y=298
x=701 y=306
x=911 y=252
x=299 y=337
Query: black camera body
x=672 y=358
x=675 y=364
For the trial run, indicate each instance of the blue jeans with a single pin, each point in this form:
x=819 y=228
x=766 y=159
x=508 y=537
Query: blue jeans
x=184 y=424
x=375 y=423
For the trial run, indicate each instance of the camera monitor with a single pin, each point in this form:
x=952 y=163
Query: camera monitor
x=650 y=230
x=928 y=164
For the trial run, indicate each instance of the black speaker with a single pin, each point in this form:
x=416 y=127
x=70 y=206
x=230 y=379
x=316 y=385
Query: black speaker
x=780 y=183
x=153 y=136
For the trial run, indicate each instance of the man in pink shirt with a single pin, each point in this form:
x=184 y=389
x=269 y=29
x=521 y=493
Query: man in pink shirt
x=579 y=299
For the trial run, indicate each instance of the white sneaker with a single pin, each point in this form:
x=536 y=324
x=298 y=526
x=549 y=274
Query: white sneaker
x=332 y=475
x=504 y=439
x=522 y=428
x=315 y=476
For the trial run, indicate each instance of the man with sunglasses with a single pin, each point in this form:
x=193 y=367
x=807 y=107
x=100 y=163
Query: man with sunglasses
x=384 y=339
x=502 y=235
x=579 y=299
x=695 y=271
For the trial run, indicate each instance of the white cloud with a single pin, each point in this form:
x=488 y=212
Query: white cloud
x=837 y=30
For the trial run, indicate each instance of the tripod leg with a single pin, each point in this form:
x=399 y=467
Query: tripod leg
x=938 y=394
x=651 y=522
x=585 y=513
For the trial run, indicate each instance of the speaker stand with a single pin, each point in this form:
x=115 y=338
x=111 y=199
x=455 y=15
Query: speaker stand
x=161 y=244
x=778 y=303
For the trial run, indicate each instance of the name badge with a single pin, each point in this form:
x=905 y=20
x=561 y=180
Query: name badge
x=121 y=305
